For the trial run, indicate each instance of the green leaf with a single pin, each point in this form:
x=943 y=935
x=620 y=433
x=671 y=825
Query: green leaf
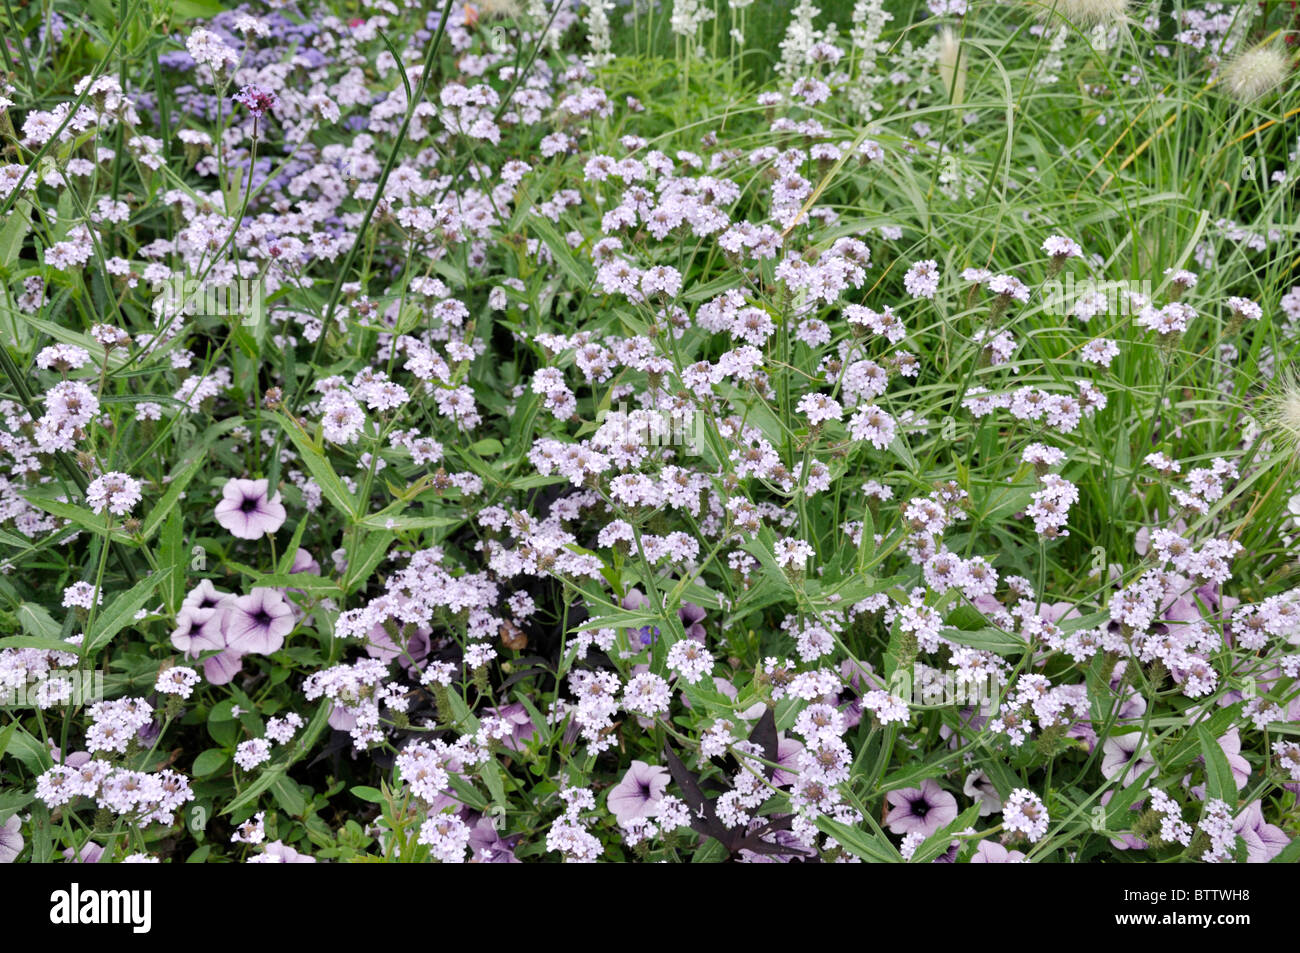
x=287 y=795
x=363 y=555
x=379 y=521
x=34 y=755
x=37 y=621
x=121 y=612
x=1219 y=782
x=373 y=795
x=278 y=766
x=578 y=272
x=210 y=762
x=15 y=229
x=992 y=640
x=173 y=554
x=36 y=642
x=860 y=843
x=321 y=470
x=6 y=736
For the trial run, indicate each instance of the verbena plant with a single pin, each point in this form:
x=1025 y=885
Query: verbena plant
x=670 y=431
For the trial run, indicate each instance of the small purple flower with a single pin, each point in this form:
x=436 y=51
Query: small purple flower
x=646 y=635
x=521 y=725
x=991 y=852
x=278 y=852
x=248 y=510
x=11 y=839
x=199 y=630
x=692 y=617
x=1264 y=841
x=924 y=809
x=257 y=99
x=258 y=622
x=90 y=853
x=487 y=846
x=638 y=795
x=1120 y=753
x=221 y=669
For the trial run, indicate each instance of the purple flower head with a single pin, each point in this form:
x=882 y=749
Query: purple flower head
x=487 y=846
x=521 y=724
x=1264 y=841
x=278 y=852
x=638 y=795
x=11 y=839
x=199 y=630
x=258 y=622
x=991 y=852
x=304 y=561
x=221 y=669
x=247 y=509
x=924 y=809
x=692 y=617
x=90 y=853
x=1120 y=753
x=646 y=635
x=257 y=99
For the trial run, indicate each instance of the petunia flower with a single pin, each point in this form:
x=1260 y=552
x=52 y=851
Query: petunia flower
x=925 y=809
x=258 y=622
x=637 y=796
x=248 y=511
x=991 y=852
x=11 y=839
x=1263 y=841
x=1120 y=754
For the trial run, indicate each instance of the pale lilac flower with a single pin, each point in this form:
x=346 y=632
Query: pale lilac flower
x=258 y=622
x=637 y=796
x=1025 y=812
x=1060 y=247
x=1264 y=841
x=922 y=279
x=11 y=839
x=1120 y=754
x=177 y=680
x=248 y=511
x=258 y=100
x=926 y=809
x=249 y=754
x=277 y=852
x=991 y=852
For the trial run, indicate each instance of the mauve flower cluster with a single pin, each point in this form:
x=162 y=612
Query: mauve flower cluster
x=584 y=487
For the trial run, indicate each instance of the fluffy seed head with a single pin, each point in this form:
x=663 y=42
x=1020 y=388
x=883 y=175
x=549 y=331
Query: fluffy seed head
x=1283 y=409
x=952 y=65
x=1091 y=12
x=1256 y=72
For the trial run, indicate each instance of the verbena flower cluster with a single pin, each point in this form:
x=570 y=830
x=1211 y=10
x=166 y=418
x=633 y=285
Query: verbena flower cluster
x=464 y=433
